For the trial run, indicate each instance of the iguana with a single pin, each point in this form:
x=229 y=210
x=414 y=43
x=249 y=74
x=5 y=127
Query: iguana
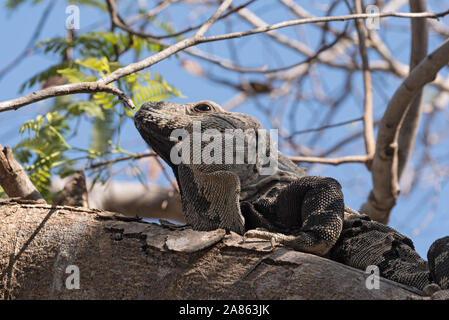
x=304 y=212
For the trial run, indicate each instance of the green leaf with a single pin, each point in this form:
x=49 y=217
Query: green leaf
x=106 y=100
x=93 y=3
x=128 y=112
x=13 y=4
x=44 y=146
x=99 y=65
x=101 y=134
x=44 y=75
x=154 y=90
x=75 y=75
x=92 y=108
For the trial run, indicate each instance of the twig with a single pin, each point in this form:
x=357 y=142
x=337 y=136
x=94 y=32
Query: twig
x=113 y=161
x=101 y=84
x=206 y=26
x=153 y=12
x=367 y=85
x=310 y=58
x=173 y=183
x=296 y=22
x=82 y=87
x=31 y=42
x=326 y=127
x=181 y=32
x=333 y=161
x=345 y=141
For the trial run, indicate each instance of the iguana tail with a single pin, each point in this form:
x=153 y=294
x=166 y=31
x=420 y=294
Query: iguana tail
x=438 y=261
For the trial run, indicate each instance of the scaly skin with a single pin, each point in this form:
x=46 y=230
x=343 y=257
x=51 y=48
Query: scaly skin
x=304 y=212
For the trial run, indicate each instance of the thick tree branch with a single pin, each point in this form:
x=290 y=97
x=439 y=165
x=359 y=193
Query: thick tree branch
x=409 y=127
x=385 y=163
x=120 y=258
x=14 y=179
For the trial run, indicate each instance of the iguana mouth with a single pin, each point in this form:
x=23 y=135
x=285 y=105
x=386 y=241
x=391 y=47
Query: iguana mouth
x=156 y=114
x=152 y=127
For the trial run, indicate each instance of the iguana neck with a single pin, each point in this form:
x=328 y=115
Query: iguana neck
x=255 y=185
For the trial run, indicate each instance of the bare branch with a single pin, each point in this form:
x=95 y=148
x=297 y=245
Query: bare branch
x=164 y=171
x=206 y=26
x=14 y=179
x=126 y=158
x=101 y=84
x=31 y=42
x=323 y=19
x=326 y=127
x=385 y=164
x=334 y=161
x=367 y=84
x=409 y=127
x=163 y=5
x=82 y=87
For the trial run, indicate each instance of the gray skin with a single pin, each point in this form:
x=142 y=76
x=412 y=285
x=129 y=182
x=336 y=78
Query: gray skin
x=284 y=204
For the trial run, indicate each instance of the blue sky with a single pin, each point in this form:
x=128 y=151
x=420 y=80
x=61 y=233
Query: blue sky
x=415 y=212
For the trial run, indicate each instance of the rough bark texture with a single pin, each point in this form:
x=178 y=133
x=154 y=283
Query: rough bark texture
x=14 y=179
x=119 y=258
x=74 y=192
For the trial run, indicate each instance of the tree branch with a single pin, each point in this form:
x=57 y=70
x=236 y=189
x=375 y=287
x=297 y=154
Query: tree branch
x=82 y=87
x=409 y=127
x=120 y=257
x=368 y=135
x=385 y=163
x=14 y=179
x=101 y=84
x=334 y=161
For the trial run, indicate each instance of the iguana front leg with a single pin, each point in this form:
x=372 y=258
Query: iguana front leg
x=210 y=200
x=315 y=204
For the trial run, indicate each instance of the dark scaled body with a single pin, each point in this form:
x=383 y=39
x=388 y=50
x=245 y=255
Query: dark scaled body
x=304 y=212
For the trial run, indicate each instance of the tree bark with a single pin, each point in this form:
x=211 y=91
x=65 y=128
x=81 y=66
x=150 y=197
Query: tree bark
x=42 y=246
x=14 y=179
x=410 y=124
x=382 y=197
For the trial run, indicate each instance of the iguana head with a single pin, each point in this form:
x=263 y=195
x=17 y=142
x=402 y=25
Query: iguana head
x=219 y=158
x=156 y=122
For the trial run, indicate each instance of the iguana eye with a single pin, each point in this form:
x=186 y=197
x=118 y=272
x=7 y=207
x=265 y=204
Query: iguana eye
x=202 y=107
